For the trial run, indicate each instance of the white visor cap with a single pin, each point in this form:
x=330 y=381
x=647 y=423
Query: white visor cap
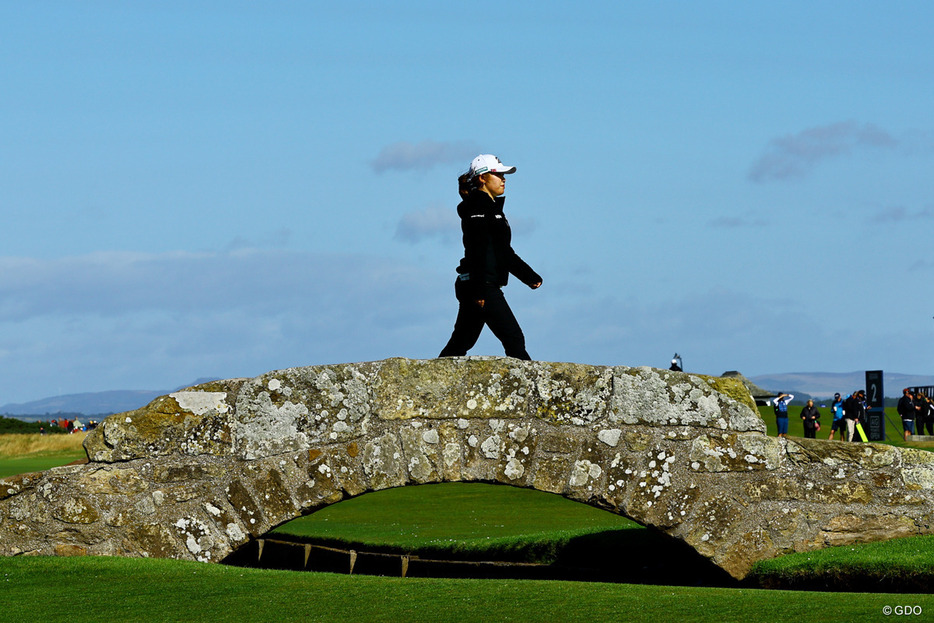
x=488 y=163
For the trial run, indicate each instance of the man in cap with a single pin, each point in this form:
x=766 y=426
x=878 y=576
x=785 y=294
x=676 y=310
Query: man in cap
x=906 y=409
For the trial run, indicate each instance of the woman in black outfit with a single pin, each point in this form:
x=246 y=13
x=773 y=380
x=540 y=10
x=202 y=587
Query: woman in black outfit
x=811 y=417
x=488 y=261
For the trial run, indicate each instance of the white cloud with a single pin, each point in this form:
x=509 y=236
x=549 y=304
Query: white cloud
x=900 y=214
x=738 y=222
x=145 y=321
x=794 y=155
x=405 y=156
x=433 y=221
x=776 y=330
x=149 y=321
x=116 y=283
x=444 y=223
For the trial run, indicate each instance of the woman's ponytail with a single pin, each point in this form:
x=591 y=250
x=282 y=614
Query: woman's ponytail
x=464 y=184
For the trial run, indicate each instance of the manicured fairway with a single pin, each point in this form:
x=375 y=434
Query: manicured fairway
x=20 y=454
x=472 y=520
x=113 y=589
x=905 y=564
x=22 y=465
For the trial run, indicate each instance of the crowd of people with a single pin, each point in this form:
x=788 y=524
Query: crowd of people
x=69 y=426
x=917 y=412
x=849 y=415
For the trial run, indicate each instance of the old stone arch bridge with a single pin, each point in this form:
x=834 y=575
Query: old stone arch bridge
x=198 y=473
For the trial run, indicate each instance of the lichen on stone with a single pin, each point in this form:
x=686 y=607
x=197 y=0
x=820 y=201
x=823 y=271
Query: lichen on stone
x=200 y=472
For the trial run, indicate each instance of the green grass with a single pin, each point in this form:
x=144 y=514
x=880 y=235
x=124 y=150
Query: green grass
x=894 y=434
x=115 y=589
x=21 y=454
x=11 y=466
x=463 y=520
x=898 y=562
x=470 y=520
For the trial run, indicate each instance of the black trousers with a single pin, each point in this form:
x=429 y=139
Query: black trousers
x=495 y=313
x=921 y=423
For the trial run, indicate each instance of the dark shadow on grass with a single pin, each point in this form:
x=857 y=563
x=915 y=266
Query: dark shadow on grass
x=632 y=556
x=847 y=579
x=640 y=557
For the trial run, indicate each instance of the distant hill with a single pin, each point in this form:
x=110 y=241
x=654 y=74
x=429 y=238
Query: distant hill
x=816 y=384
x=826 y=384
x=91 y=403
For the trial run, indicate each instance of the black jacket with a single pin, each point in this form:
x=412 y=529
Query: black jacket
x=488 y=254
x=853 y=409
x=810 y=415
x=906 y=408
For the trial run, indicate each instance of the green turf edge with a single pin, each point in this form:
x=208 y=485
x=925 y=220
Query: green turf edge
x=109 y=589
x=905 y=561
x=12 y=466
x=467 y=521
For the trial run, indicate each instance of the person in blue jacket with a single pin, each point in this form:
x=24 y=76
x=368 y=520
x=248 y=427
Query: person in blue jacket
x=839 y=424
x=488 y=261
x=781 y=413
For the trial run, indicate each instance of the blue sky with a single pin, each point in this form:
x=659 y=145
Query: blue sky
x=195 y=189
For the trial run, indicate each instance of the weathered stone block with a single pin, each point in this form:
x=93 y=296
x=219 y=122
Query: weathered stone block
x=383 y=462
x=341 y=469
x=566 y=393
x=518 y=454
x=420 y=445
x=79 y=510
x=559 y=441
x=552 y=473
x=152 y=541
x=68 y=549
x=249 y=512
x=451 y=451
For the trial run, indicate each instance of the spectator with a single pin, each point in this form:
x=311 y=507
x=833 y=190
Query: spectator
x=810 y=414
x=906 y=410
x=853 y=410
x=781 y=413
x=839 y=424
x=929 y=418
x=921 y=412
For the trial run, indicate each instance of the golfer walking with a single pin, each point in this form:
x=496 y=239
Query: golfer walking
x=488 y=261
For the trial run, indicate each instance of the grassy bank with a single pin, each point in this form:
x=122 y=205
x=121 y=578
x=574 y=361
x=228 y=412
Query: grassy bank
x=898 y=565
x=467 y=521
x=33 y=444
x=474 y=521
x=20 y=454
x=104 y=589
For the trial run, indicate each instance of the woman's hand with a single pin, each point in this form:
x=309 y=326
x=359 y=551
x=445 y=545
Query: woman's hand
x=535 y=286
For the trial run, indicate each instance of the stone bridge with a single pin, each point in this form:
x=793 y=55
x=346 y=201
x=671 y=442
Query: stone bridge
x=199 y=473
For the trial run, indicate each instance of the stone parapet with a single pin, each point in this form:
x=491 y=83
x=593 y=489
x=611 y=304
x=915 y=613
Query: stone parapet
x=199 y=473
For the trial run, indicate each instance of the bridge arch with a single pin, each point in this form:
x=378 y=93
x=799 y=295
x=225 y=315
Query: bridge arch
x=602 y=549
x=198 y=473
